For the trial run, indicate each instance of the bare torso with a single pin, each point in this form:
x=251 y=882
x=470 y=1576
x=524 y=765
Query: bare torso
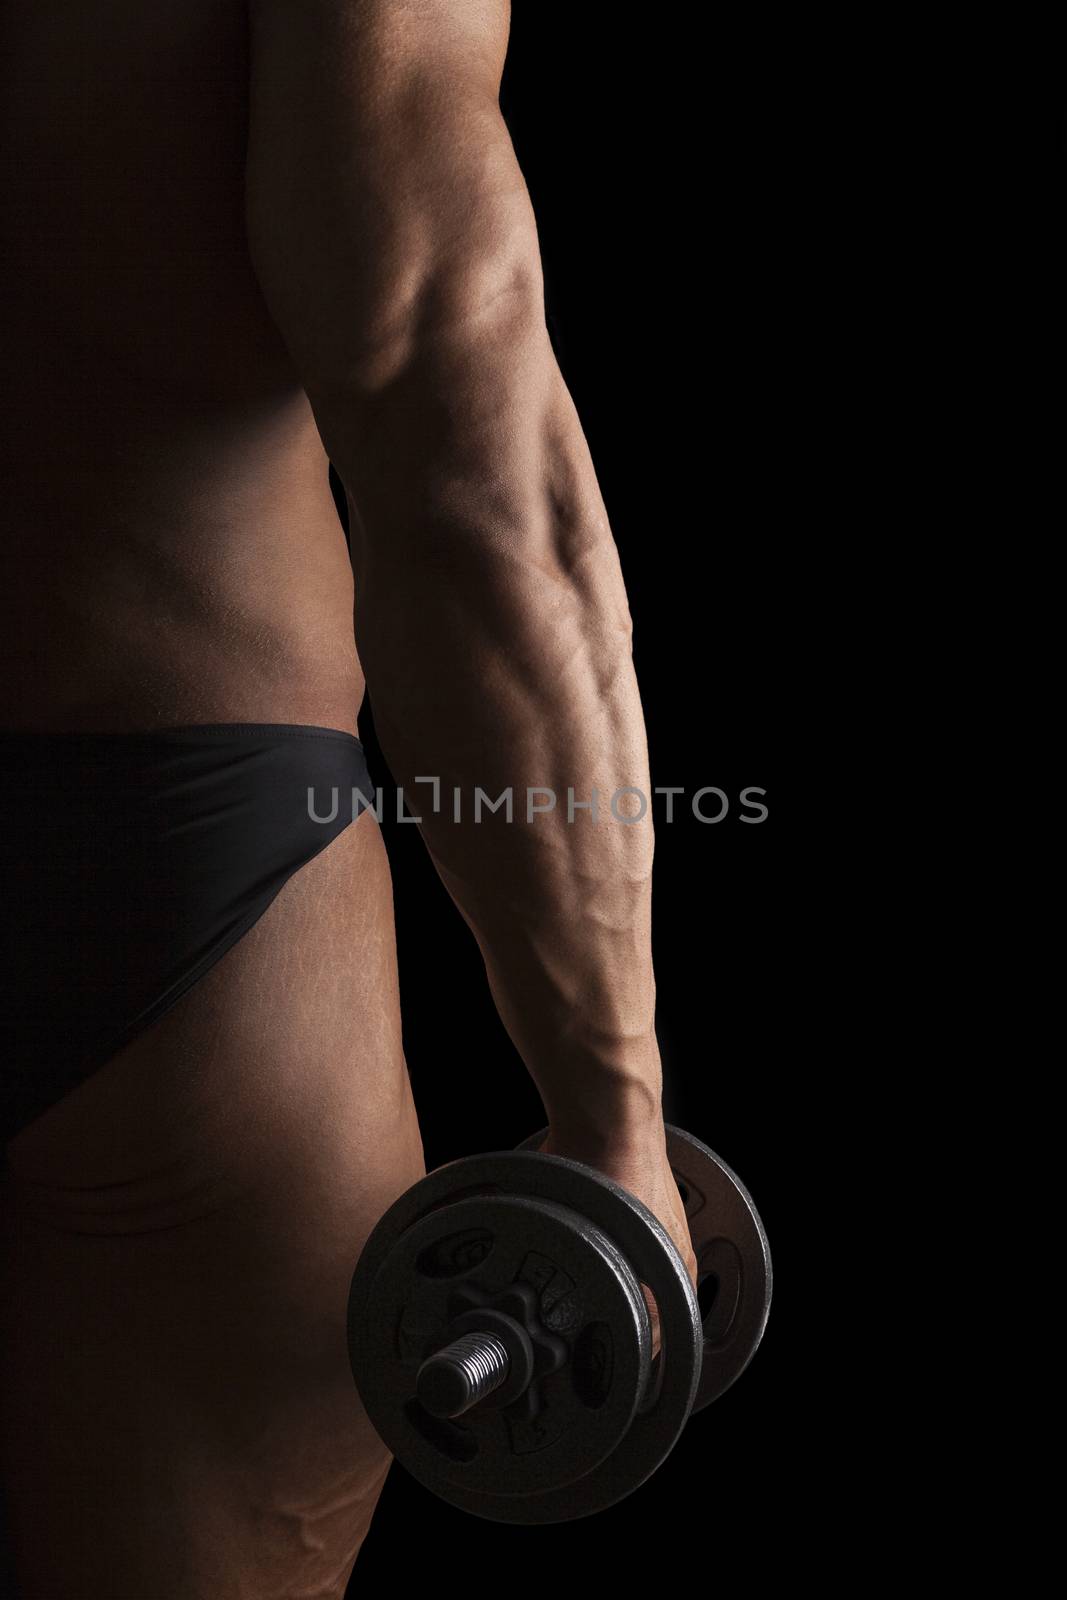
x=170 y=547
x=170 y=553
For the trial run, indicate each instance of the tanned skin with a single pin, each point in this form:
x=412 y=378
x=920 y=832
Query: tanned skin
x=243 y=238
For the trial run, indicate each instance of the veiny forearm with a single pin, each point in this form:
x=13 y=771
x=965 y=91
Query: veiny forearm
x=493 y=626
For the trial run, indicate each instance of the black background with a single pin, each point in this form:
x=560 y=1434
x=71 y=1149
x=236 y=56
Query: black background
x=679 y=245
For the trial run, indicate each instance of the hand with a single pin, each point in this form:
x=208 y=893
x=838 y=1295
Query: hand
x=640 y=1165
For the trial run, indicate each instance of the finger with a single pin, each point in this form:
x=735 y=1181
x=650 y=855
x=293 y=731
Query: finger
x=653 y=1317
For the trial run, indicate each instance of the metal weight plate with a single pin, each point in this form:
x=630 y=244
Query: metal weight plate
x=585 y=1228
x=733 y=1259
x=589 y=1305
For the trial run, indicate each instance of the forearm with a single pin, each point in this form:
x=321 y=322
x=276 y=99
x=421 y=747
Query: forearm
x=493 y=627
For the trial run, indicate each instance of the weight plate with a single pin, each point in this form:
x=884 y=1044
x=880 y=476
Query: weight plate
x=733 y=1259
x=589 y=1300
x=619 y=1220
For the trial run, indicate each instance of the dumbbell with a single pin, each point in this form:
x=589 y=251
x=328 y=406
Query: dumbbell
x=500 y=1341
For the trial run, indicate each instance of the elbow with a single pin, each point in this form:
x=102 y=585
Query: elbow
x=447 y=394
x=431 y=312
x=488 y=299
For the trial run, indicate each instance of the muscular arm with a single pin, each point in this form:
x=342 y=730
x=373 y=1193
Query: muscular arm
x=393 y=237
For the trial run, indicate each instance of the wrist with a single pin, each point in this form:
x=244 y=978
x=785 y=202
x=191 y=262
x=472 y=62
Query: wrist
x=600 y=1117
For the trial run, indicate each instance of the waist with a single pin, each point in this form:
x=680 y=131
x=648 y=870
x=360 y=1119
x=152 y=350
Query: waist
x=308 y=713
x=60 y=674
x=220 y=616
x=44 y=740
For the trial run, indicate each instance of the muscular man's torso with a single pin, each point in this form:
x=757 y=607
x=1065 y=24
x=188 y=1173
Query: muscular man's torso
x=170 y=549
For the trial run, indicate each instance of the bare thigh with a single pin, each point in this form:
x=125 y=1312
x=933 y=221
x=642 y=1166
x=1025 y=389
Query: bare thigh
x=179 y=1234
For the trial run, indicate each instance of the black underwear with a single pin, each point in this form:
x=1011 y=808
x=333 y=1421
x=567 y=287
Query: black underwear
x=129 y=863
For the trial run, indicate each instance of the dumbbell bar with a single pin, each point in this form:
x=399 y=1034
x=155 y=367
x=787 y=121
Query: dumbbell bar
x=501 y=1344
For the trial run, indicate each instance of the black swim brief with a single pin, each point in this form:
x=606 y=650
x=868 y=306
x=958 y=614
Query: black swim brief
x=129 y=863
